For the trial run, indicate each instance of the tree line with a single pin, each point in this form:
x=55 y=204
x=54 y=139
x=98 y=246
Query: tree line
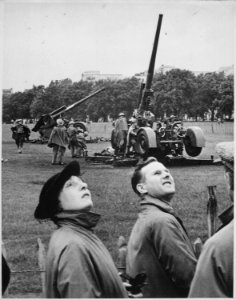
x=177 y=92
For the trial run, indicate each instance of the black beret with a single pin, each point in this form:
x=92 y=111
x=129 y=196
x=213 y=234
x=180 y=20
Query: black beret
x=48 y=199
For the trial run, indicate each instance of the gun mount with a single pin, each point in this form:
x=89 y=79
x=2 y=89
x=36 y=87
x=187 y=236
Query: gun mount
x=160 y=139
x=47 y=121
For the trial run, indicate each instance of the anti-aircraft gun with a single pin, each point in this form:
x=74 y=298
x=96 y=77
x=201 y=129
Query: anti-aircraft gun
x=168 y=138
x=46 y=122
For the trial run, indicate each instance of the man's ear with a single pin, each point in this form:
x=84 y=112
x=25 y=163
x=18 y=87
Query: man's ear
x=141 y=189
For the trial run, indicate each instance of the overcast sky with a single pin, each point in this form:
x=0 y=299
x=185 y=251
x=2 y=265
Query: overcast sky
x=52 y=40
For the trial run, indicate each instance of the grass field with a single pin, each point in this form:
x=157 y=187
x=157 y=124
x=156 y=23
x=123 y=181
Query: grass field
x=24 y=174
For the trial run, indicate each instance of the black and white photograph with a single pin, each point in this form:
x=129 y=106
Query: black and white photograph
x=117 y=148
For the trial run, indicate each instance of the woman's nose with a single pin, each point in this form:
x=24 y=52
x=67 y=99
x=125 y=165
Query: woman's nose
x=84 y=185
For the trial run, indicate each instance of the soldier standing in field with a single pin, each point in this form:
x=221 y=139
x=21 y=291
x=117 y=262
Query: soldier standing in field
x=73 y=143
x=58 y=140
x=120 y=133
x=214 y=272
x=131 y=137
x=80 y=136
x=19 y=133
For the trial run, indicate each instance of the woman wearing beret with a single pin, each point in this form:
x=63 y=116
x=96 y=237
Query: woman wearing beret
x=78 y=265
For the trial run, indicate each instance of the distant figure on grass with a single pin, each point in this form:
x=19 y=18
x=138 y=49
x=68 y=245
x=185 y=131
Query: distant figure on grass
x=27 y=133
x=214 y=272
x=159 y=245
x=80 y=136
x=120 y=134
x=132 y=137
x=78 y=265
x=73 y=143
x=19 y=133
x=58 y=140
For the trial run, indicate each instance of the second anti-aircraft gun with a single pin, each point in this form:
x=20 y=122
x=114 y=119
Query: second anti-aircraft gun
x=46 y=122
x=167 y=138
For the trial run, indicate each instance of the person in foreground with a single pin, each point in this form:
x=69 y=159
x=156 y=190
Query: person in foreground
x=78 y=265
x=159 y=245
x=214 y=272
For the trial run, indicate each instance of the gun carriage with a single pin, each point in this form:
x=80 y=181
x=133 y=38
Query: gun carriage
x=162 y=139
x=46 y=122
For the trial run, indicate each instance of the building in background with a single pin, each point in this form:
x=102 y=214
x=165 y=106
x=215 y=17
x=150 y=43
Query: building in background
x=227 y=70
x=96 y=76
x=7 y=92
x=165 y=68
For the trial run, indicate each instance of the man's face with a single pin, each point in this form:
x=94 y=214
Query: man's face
x=75 y=195
x=157 y=181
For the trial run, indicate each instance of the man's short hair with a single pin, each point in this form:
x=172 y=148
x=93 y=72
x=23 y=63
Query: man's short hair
x=137 y=175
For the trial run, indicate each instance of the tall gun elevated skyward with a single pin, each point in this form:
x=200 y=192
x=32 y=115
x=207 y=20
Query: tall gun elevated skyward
x=146 y=93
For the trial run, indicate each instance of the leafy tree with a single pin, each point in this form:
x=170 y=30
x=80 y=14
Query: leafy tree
x=174 y=92
x=208 y=91
x=39 y=105
x=225 y=104
x=17 y=105
x=177 y=92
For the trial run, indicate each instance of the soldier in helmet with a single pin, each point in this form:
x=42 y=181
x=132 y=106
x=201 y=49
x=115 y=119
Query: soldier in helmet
x=19 y=132
x=214 y=272
x=120 y=132
x=58 y=140
x=132 y=136
x=73 y=144
x=80 y=136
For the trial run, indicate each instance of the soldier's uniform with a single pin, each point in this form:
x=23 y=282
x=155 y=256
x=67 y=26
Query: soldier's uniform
x=18 y=134
x=73 y=143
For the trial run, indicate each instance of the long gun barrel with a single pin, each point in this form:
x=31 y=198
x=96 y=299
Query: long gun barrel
x=147 y=91
x=153 y=56
x=48 y=120
x=60 y=110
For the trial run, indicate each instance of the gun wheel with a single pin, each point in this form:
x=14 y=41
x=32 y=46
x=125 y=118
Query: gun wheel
x=190 y=149
x=142 y=143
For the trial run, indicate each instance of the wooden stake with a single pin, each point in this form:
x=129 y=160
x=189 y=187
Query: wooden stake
x=42 y=264
x=211 y=210
x=122 y=248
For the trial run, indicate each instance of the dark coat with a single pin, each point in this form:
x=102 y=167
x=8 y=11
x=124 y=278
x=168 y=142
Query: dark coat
x=214 y=272
x=78 y=264
x=160 y=247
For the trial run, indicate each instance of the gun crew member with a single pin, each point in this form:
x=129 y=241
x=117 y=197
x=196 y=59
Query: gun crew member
x=19 y=133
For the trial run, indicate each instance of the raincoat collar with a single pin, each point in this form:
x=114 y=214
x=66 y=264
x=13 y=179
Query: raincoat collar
x=227 y=215
x=77 y=218
x=162 y=205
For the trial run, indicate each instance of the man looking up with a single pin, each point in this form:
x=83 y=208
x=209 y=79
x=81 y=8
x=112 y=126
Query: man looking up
x=214 y=272
x=159 y=245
